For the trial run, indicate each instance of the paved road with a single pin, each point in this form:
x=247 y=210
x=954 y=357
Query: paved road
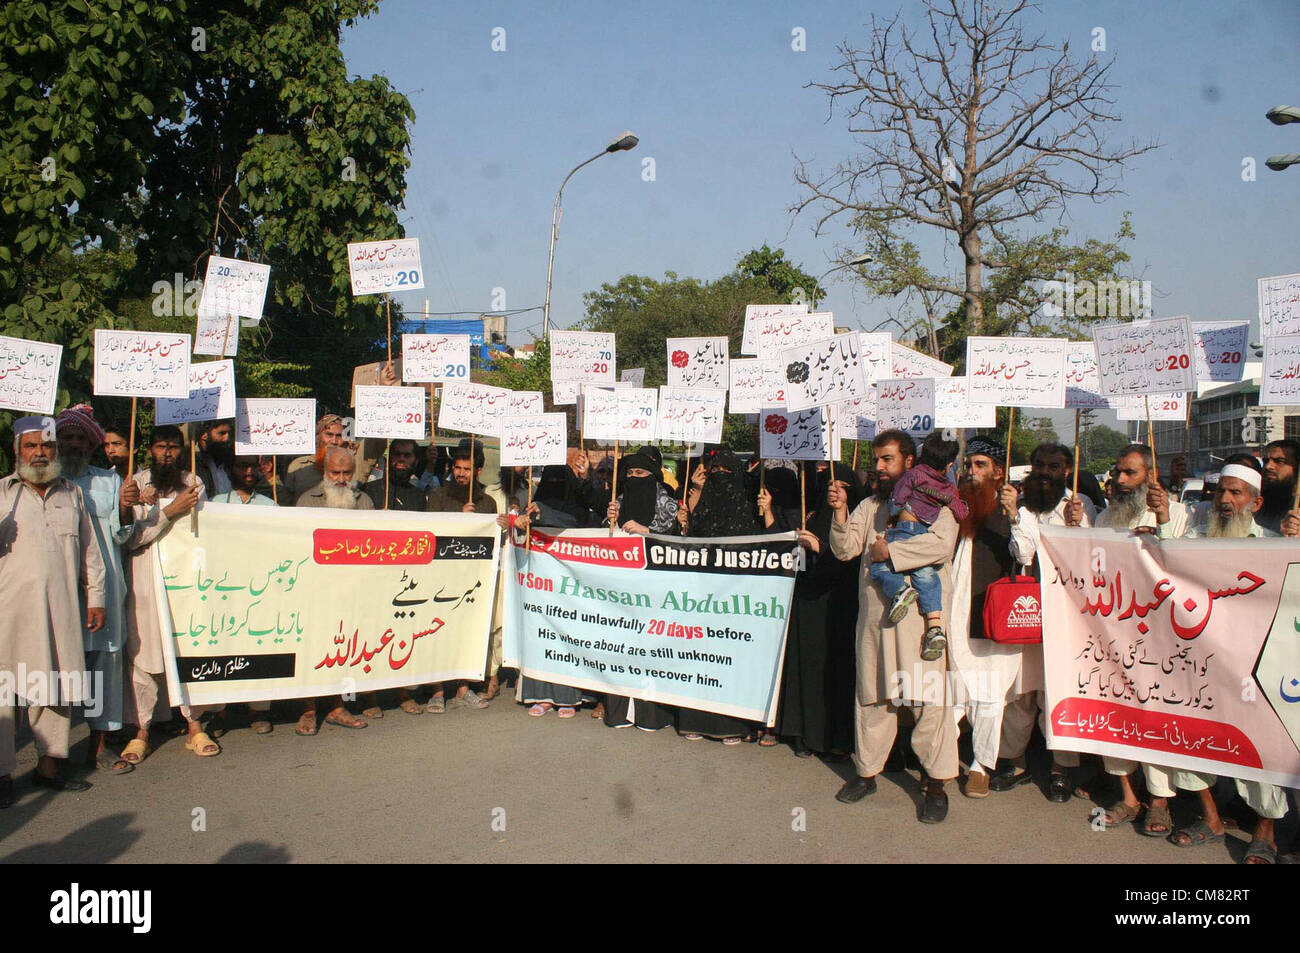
x=428 y=788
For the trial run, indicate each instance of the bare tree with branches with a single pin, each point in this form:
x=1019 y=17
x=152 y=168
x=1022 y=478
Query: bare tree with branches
x=969 y=127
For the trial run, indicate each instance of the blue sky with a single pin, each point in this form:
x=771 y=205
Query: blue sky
x=718 y=98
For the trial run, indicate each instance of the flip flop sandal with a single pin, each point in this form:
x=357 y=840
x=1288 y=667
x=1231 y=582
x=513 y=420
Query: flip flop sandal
x=767 y=741
x=340 y=721
x=107 y=761
x=202 y=745
x=1117 y=816
x=411 y=707
x=437 y=705
x=538 y=710
x=137 y=749
x=1261 y=851
x=374 y=711
x=1158 y=816
x=1197 y=834
x=568 y=712
x=307 y=728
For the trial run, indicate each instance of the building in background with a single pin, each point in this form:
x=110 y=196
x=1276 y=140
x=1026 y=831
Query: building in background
x=1217 y=428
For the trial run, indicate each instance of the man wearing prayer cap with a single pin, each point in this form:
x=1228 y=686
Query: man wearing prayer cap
x=1229 y=515
x=992 y=674
x=109 y=502
x=50 y=566
x=304 y=473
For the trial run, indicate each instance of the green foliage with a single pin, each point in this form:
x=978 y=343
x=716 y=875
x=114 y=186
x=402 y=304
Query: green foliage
x=642 y=312
x=248 y=140
x=1100 y=447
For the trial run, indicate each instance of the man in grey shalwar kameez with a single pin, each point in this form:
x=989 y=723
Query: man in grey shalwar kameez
x=49 y=561
x=111 y=515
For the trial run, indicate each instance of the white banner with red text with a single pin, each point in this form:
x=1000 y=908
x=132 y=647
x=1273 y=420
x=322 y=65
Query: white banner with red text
x=1180 y=653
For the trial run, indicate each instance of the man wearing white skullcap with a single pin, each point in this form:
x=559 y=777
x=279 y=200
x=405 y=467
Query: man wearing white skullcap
x=1229 y=515
x=50 y=565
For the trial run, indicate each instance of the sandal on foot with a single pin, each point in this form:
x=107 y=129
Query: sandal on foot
x=732 y=740
x=374 y=712
x=307 y=724
x=568 y=712
x=1117 y=815
x=1157 y=817
x=344 y=719
x=437 y=705
x=540 y=709
x=1195 y=834
x=767 y=740
x=1260 y=852
x=107 y=761
x=598 y=711
x=411 y=706
x=260 y=726
x=202 y=745
x=693 y=736
x=136 y=751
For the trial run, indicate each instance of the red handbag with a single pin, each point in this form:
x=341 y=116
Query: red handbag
x=1013 y=611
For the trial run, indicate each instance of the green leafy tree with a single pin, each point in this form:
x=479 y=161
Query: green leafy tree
x=136 y=138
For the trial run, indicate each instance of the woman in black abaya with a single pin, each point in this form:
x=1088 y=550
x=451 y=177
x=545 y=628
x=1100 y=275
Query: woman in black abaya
x=725 y=508
x=818 y=679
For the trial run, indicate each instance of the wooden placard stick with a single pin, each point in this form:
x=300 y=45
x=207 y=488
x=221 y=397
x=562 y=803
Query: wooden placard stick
x=130 y=458
x=194 y=513
x=1011 y=428
x=1076 y=452
x=528 y=531
x=803 y=500
x=613 y=494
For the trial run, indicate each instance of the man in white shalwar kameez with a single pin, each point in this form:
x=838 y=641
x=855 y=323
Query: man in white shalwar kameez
x=1139 y=504
x=171 y=493
x=1230 y=515
x=49 y=564
x=990 y=673
x=1043 y=502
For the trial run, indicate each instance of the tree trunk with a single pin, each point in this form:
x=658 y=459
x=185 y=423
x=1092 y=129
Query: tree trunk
x=974 y=288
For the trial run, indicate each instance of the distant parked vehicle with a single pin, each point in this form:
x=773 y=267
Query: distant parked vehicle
x=1193 y=490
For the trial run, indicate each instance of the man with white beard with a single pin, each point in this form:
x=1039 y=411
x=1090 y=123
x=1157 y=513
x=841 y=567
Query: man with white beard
x=338 y=489
x=1041 y=501
x=109 y=502
x=50 y=566
x=1230 y=515
x=1139 y=504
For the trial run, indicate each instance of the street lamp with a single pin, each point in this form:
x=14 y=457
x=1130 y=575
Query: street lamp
x=1280 y=116
x=623 y=143
x=849 y=263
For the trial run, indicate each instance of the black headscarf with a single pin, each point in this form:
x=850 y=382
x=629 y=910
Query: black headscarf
x=725 y=507
x=638 y=495
x=561 y=489
x=784 y=487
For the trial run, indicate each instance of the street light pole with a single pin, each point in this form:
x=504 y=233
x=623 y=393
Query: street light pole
x=621 y=144
x=1280 y=116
